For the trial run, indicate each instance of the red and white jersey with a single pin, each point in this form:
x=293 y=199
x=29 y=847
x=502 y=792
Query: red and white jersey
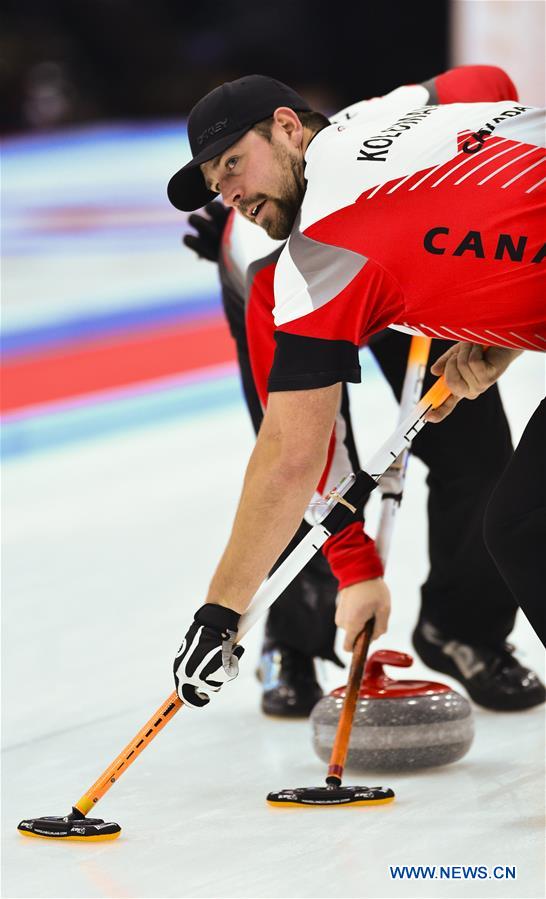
x=429 y=218
x=248 y=265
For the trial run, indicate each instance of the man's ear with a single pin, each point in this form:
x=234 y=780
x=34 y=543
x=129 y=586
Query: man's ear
x=289 y=122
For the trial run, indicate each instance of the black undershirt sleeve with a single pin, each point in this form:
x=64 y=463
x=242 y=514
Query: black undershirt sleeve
x=304 y=363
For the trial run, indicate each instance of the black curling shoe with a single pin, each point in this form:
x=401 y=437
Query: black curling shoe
x=492 y=676
x=289 y=682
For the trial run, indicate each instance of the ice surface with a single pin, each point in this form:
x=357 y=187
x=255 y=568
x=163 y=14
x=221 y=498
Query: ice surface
x=108 y=548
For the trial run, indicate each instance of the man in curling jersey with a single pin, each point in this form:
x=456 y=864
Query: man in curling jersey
x=354 y=201
x=467 y=610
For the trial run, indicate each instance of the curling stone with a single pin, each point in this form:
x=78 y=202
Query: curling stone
x=399 y=725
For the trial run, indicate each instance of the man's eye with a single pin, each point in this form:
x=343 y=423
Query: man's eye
x=231 y=163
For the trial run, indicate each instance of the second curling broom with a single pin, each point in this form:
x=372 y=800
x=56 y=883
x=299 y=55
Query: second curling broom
x=335 y=794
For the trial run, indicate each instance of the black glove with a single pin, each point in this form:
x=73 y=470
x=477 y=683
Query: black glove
x=208 y=656
x=209 y=231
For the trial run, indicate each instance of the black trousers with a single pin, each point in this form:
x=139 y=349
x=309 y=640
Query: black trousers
x=464 y=594
x=515 y=522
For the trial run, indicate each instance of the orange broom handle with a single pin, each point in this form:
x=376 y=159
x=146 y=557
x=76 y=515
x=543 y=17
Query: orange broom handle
x=419 y=351
x=345 y=725
x=133 y=749
x=437 y=394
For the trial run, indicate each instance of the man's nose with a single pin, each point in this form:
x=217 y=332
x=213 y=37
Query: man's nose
x=232 y=195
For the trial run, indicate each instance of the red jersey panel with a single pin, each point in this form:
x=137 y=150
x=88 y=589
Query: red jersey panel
x=432 y=222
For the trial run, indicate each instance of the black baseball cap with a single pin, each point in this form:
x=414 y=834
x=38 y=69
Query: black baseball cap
x=218 y=121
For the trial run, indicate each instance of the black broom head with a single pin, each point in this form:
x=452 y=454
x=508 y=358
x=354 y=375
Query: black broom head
x=74 y=826
x=331 y=796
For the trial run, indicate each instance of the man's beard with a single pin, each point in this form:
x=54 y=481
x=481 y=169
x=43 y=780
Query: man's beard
x=291 y=196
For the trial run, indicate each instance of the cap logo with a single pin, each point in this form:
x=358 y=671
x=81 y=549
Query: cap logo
x=211 y=131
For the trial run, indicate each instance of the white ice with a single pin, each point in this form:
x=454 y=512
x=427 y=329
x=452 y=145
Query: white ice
x=108 y=548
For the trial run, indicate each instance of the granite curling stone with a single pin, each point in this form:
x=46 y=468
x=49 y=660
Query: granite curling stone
x=399 y=725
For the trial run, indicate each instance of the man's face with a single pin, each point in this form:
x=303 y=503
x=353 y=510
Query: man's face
x=262 y=179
